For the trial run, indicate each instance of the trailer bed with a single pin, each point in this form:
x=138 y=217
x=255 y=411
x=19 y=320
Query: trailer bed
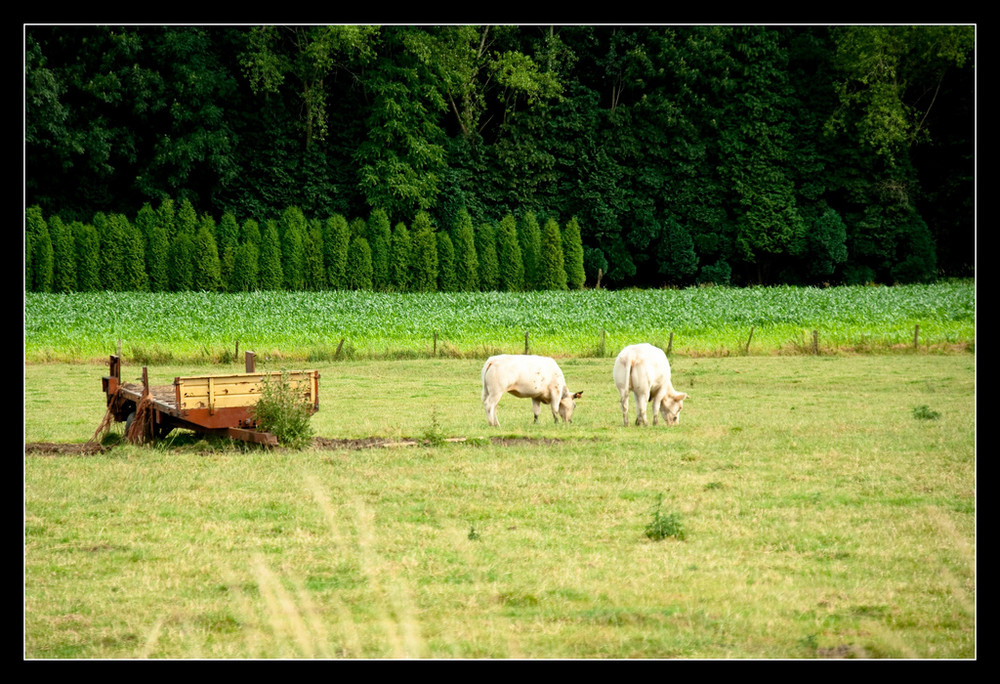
x=220 y=403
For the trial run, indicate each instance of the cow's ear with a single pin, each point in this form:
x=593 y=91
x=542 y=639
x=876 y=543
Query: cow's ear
x=680 y=396
x=577 y=395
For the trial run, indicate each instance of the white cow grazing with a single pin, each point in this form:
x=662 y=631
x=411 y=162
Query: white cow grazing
x=643 y=369
x=530 y=377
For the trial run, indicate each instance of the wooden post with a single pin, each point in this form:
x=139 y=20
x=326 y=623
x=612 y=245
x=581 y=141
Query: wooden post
x=746 y=350
x=604 y=339
x=916 y=336
x=670 y=343
x=435 y=343
x=525 y=341
x=339 y=347
x=237 y=355
x=250 y=359
x=815 y=342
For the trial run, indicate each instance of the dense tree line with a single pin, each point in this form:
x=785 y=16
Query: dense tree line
x=662 y=155
x=296 y=252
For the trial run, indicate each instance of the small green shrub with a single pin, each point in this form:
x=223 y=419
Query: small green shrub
x=924 y=412
x=664 y=525
x=282 y=412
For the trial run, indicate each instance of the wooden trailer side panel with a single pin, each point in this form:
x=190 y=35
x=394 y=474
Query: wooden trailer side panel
x=242 y=390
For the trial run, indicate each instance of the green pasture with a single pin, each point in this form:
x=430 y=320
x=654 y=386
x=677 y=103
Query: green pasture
x=827 y=503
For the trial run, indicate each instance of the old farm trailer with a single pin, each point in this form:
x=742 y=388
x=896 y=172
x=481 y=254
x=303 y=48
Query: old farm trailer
x=211 y=404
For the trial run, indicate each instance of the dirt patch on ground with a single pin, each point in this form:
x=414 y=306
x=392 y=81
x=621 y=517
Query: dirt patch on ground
x=58 y=449
x=90 y=448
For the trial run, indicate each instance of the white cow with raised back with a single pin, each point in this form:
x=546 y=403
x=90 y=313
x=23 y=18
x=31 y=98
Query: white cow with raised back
x=530 y=377
x=643 y=370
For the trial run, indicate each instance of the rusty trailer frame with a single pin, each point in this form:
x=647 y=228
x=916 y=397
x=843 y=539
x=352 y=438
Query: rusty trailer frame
x=212 y=404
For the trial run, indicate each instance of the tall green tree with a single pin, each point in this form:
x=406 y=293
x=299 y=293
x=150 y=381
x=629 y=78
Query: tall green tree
x=227 y=239
x=677 y=258
x=39 y=262
x=359 y=265
x=207 y=275
x=509 y=255
x=272 y=275
x=529 y=237
x=380 y=240
x=293 y=248
x=336 y=242
x=486 y=253
x=447 y=281
x=553 y=269
x=63 y=256
x=246 y=262
x=424 y=256
x=573 y=255
x=466 y=261
x=400 y=258
x=316 y=278
x=87 y=257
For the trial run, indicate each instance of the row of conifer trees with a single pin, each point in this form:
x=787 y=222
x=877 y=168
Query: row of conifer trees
x=171 y=248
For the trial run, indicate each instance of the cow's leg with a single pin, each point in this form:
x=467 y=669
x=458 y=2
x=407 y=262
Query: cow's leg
x=658 y=404
x=641 y=399
x=624 y=402
x=490 y=405
x=555 y=397
x=536 y=407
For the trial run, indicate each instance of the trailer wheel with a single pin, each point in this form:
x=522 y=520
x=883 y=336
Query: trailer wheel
x=129 y=421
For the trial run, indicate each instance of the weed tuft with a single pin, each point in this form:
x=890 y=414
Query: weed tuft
x=924 y=412
x=664 y=525
x=282 y=412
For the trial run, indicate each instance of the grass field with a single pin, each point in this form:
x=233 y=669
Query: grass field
x=825 y=508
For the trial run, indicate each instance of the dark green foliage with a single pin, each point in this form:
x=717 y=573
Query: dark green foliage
x=511 y=263
x=399 y=258
x=573 y=255
x=466 y=261
x=678 y=261
x=380 y=241
x=486 y=252
x=63 y=256
x=226 y=240
x=207 y=271
x=446 y=263
x=87 y=257
x=292 y=231
x=423 y=255
x=552 y=267
x=745 y=136
x=359 y=265
x=246 y=263
x=665 y=525
x=39 y=257
x=271 y=275
x=336 y=242
x=529 y=237
x=315 y=271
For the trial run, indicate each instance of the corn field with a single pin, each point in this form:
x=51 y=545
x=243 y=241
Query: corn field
x=199 y=326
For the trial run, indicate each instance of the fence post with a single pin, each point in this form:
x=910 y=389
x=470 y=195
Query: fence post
x=339 y=347
x=670 y=343
x=815 y=342
x=435 y=343
x=746 y=349
x=916 y=336
x=250 y=362
x=525 y=341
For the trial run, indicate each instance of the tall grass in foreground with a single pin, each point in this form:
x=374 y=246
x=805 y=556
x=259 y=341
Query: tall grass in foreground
x=200 y=326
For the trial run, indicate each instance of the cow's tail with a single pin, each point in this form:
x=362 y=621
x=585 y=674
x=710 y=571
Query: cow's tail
x=486 y=367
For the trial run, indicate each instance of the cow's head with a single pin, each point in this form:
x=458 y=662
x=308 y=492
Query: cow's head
x=567 y=405
x=671 y=407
